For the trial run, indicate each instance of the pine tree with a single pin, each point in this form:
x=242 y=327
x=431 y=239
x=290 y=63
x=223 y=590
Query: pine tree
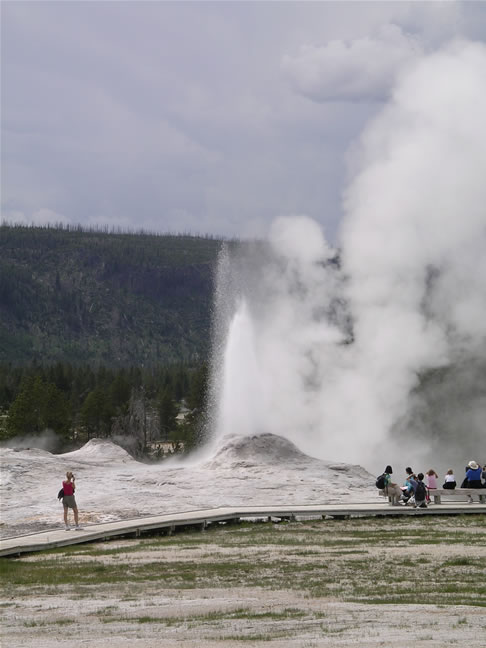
x=39 y=406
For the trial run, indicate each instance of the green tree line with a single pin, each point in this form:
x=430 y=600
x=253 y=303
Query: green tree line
x=136 y=407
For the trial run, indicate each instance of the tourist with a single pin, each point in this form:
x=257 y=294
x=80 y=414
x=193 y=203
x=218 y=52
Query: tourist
x=69 y=501
x=420 y=492
x=430 y=481
x=431 y=478
x=473 y=476
x=449 y=480
x=391 y=489
x=409 y=486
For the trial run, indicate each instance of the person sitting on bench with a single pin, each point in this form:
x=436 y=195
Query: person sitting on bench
x=473 y=476
x=449 y=480
x=391 y=489
x=420 y=492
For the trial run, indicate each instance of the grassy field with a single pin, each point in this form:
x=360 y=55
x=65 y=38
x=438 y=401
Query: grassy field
x=331 y=558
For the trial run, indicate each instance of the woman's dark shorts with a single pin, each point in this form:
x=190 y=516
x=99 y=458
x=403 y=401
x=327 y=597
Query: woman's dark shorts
x=69 y=501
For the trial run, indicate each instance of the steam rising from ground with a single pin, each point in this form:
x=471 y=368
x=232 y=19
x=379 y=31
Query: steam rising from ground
x=379 y=354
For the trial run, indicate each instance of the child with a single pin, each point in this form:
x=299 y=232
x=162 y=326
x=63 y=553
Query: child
x=430 y=481
x=420 y=492
x=449 y=480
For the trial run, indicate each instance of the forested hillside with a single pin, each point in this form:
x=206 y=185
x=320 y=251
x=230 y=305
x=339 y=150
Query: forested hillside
x=104 y=299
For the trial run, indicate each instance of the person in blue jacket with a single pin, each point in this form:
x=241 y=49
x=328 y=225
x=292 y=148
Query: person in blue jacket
x=473 y=476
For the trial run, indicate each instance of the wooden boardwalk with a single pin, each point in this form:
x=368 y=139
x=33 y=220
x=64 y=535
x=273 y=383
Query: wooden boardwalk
x=202 y=518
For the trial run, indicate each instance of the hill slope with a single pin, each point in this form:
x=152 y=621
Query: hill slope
x=104 y=298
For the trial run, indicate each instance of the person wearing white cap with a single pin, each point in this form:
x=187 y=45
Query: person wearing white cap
x=473 y=476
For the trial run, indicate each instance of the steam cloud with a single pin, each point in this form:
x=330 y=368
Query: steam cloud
x=48 y=440
x=380 y=353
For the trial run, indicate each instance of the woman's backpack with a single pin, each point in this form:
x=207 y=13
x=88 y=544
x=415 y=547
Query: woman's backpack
x=420 y=492
x=380 y=481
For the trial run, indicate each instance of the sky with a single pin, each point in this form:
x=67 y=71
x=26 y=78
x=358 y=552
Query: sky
x=200 y=117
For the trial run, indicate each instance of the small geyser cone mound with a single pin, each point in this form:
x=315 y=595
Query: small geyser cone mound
x=269 y=453
x=99 y=450
x=260 y=449
x=257 y=449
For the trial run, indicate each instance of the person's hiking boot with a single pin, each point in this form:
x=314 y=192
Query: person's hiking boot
x=470 y=500
x=78 y=528
x=68 y=528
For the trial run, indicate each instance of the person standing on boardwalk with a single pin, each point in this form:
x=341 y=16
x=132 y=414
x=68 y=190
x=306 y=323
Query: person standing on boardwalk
x=69 y=501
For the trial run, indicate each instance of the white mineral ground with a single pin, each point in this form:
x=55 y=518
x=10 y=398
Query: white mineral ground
x=110 y=485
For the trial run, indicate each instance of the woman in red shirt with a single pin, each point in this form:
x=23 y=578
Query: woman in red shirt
x=69 y=500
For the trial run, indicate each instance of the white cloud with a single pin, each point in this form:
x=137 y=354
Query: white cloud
x=361 y=70
x=157 y=113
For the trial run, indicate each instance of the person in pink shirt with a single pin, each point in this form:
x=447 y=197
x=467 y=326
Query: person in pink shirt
x=68 y=500
x=431 y=480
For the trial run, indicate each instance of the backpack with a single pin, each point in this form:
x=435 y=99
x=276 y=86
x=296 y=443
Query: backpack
x=60 y=495
x=420 y=492
x=380 y=481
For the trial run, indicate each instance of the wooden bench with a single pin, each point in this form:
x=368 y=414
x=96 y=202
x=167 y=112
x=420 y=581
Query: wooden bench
x=392 y=498
x=437 y=493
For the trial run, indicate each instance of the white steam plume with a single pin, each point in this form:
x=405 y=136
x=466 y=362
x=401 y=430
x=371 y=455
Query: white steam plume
x=359 y=359
x=415 y=231
x=47 y=440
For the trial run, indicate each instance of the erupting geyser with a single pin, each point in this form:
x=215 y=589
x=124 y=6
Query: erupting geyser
x=238 y=414
x=376 y=352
